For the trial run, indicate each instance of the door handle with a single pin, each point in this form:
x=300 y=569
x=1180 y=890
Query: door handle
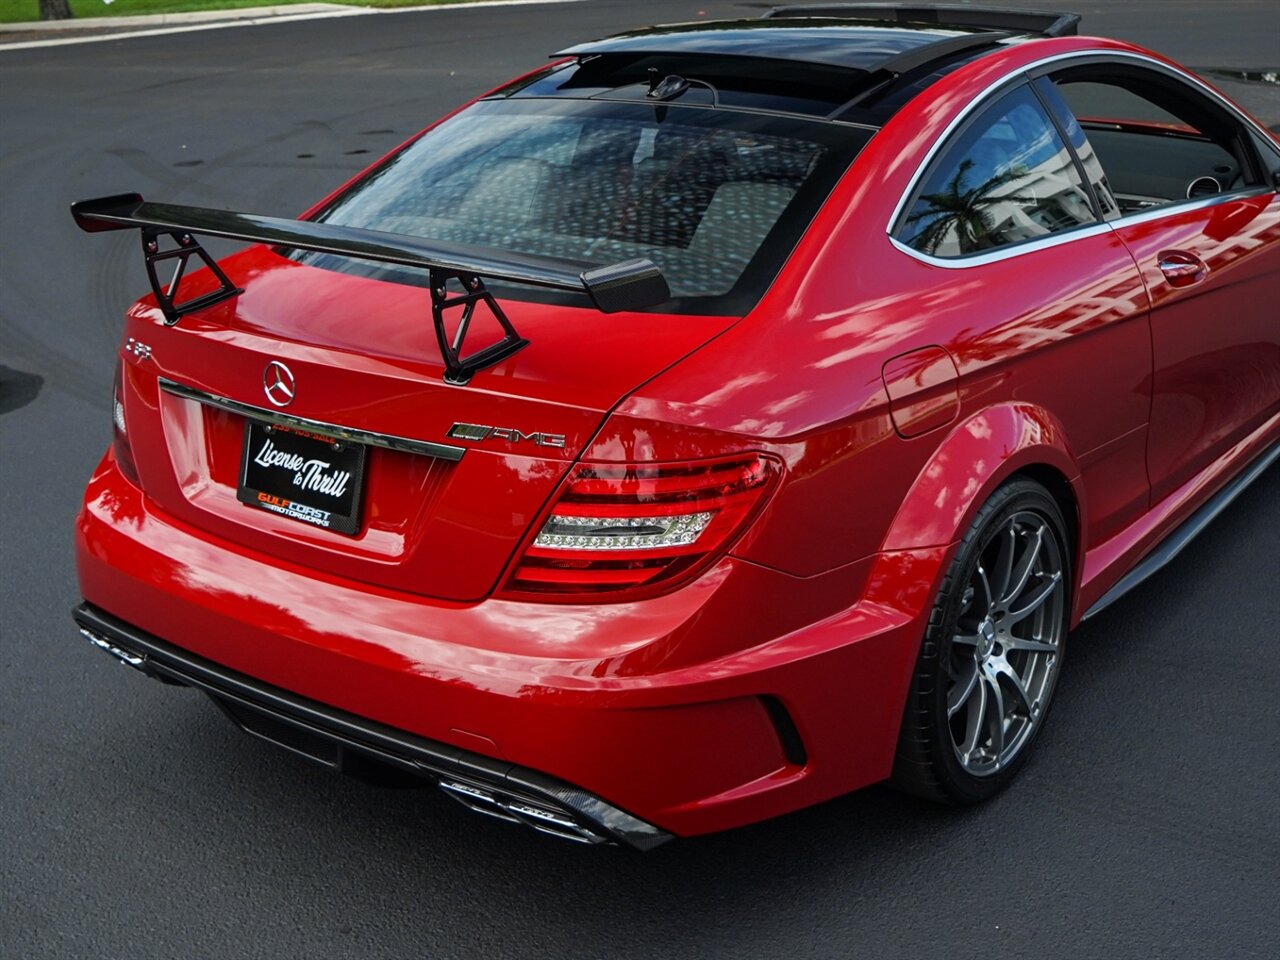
x=1180 y=268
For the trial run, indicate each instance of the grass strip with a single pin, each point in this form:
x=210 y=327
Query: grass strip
x=19 y=11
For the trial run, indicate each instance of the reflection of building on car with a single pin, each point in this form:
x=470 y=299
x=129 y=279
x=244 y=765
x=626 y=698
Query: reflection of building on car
x=719 y=419
x=1016 y=181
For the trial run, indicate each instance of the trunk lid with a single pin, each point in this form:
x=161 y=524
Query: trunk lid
x=363 y=356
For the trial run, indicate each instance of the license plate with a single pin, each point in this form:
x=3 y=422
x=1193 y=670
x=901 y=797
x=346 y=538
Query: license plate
x=303 y=476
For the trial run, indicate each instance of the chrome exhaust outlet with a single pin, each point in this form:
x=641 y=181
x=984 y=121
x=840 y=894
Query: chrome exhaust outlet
x=477 y=799
x=127 y=657
x=544 y=819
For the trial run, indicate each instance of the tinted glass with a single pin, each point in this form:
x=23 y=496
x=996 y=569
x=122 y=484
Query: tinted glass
x=736 y=81
x=1084 y=148
x=1159 y=141
x=1007 y=178
x=715 y=198
x=1108 y=102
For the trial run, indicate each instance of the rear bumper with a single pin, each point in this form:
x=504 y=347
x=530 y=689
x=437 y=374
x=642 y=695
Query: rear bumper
x=342 y=740
x=743 y=696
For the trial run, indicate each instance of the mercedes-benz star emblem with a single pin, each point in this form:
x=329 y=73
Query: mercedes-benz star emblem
x=277 y=381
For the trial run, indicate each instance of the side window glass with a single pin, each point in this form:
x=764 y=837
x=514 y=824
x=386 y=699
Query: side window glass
x=1158 y=143
x=1083 y=147
x=1006 y=178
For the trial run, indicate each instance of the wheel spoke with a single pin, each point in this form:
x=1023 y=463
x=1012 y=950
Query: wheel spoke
x=1035 y=599
x=986 y=585
x=995 y=714
x=1022 y=571
x=1032 y=646
x=973 y=722
x=960 y=692
x=1022 y=702
x=1004 y=562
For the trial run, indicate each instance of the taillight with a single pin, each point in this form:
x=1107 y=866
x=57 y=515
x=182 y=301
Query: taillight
x=624 y=527
x=120 y=430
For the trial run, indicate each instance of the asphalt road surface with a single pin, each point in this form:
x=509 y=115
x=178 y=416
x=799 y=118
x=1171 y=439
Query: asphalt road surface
x=136 y=822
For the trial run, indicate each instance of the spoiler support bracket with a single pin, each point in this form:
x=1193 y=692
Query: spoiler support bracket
x=167 y=295
x=630 y=285
x=458 y=369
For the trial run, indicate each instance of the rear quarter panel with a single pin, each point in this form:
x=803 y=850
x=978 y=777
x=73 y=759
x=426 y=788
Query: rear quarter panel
x=1052 y=349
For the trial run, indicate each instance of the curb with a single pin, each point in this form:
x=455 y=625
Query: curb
x=169 y=19
x=98 y=29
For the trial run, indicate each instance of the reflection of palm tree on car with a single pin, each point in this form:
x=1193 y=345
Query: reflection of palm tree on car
x=966 y=212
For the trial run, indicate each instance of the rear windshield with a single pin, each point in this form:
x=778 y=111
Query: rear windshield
x=716 y=198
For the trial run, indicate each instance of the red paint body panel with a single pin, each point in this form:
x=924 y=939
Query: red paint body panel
x=1217 y=351
x=923 y=391
x=897 y=395
x=618 y=699
x=364 y=355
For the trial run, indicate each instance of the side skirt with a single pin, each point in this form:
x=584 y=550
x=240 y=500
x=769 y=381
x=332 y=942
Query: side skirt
x=1188 y=530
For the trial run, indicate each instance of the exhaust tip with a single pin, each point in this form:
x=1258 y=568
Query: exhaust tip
x=127 y=657
x=544 y=819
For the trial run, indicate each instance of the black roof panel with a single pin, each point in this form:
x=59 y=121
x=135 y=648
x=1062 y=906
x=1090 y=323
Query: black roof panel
x=853 y=44
x=1041 y=22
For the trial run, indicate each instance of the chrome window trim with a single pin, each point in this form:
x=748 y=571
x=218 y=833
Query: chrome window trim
x=440 y=451
x=1076 y=233
x=1007 y=252
x=1181 y=206
x=1080 y=233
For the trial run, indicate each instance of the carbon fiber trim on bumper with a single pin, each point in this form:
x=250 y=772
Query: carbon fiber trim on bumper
x=334 y=738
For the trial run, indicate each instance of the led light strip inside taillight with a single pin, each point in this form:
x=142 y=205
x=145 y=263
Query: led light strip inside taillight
x=621 y=533
x=622 y=527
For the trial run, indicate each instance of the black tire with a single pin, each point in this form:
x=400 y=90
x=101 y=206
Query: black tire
x=944 y=753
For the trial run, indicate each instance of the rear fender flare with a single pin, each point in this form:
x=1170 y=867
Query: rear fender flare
x=976 y=457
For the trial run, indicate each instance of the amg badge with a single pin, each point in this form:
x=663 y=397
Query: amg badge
x=476 y=431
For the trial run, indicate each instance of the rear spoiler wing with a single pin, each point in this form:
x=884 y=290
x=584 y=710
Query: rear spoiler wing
x=630 y=285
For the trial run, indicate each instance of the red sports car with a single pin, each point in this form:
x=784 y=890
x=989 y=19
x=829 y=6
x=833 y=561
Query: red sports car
x=719 y=419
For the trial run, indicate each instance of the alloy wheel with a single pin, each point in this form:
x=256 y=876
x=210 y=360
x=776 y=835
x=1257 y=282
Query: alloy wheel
x=1005 y=650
